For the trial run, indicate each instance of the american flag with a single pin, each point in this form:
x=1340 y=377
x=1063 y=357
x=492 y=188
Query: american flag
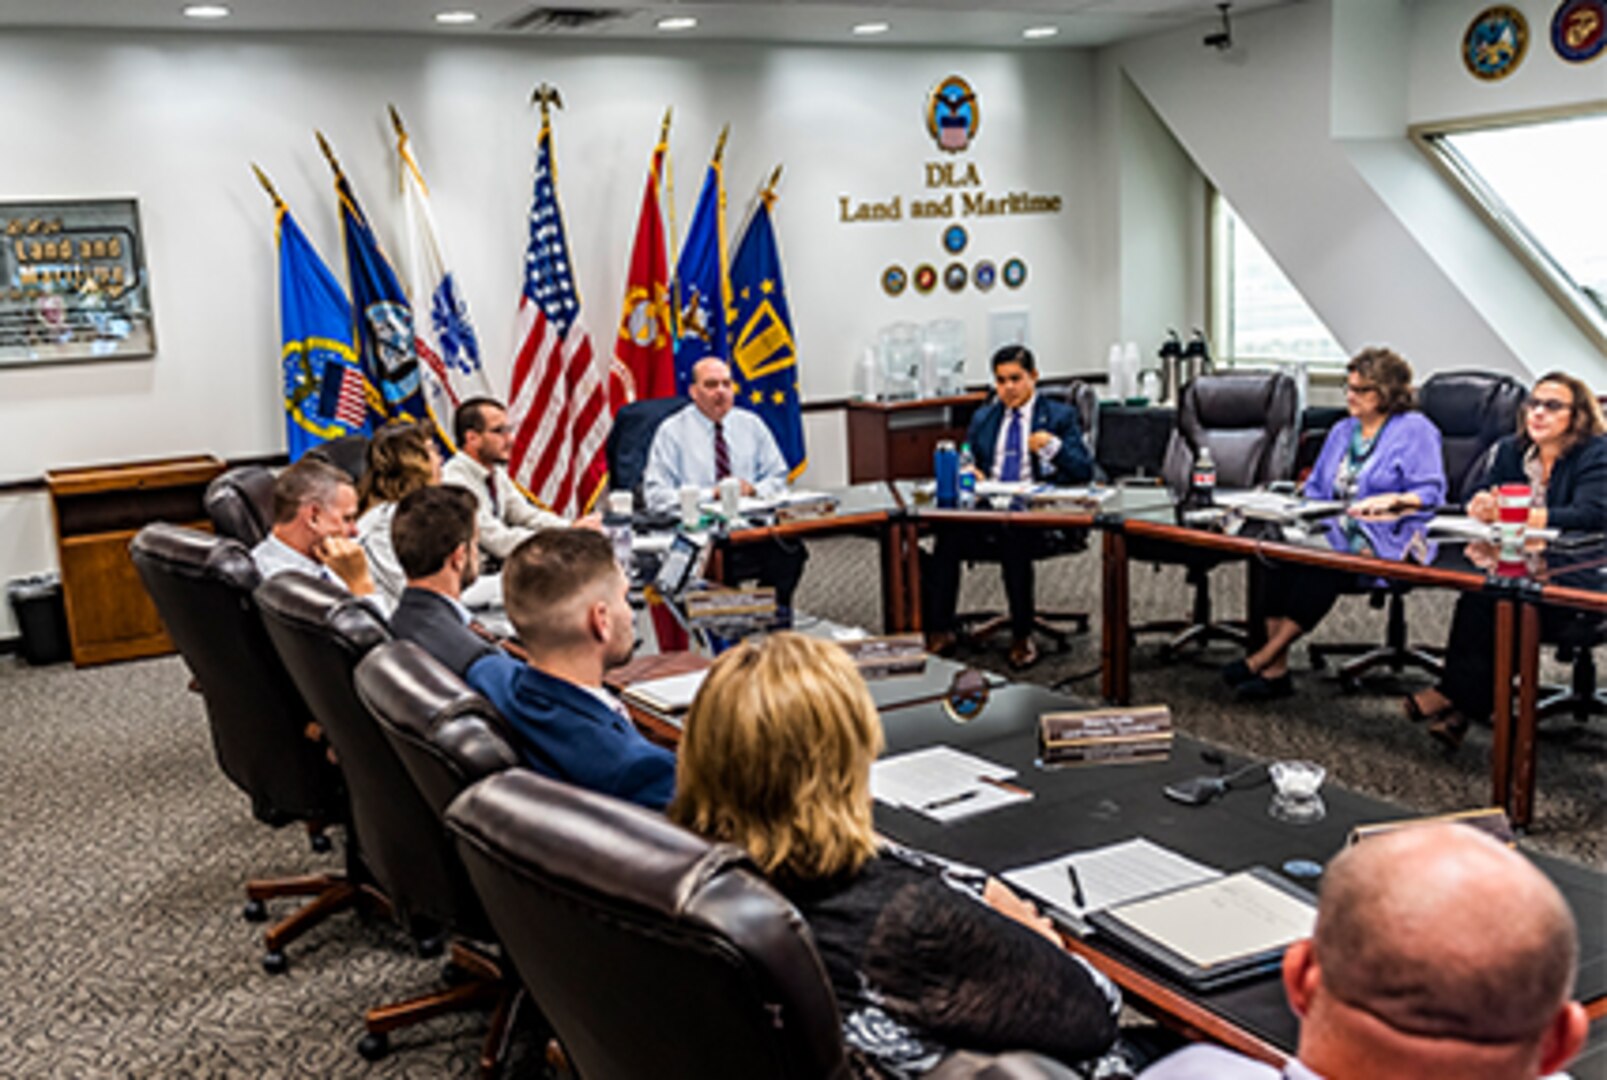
x=558 y=403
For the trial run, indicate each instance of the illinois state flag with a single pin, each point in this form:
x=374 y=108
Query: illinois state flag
x=384 y=318
x=326 y=395
x=558 y=404
x=443 y=337
x=702 y=287
x=644 y=353
x=764 y=360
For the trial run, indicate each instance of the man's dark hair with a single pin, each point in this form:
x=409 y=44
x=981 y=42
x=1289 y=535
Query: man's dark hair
x=429 y=525
x=545 y=572
x=1014 y=354
x=471 y=417
x=308 y=480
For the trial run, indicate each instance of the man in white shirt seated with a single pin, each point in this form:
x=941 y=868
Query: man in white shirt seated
x=506 y=517
x=1438 y=954
x=315 y=528
x=714 y=440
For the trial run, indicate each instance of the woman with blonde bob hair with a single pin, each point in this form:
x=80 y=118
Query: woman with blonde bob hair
x=924 y=956
x=401 y=459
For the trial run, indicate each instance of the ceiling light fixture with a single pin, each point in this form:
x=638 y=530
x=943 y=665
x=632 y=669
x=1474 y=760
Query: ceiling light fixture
x=866 y=29
x=206 y=11
x=1035 y=32
x=456 y=18
x=677 y=22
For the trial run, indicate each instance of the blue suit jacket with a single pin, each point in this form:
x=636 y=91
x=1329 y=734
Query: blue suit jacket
x=1071 y=466
x=566 y=733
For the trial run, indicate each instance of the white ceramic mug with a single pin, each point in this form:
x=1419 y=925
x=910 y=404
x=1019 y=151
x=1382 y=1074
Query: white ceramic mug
x=730 y=496
x=691 y=506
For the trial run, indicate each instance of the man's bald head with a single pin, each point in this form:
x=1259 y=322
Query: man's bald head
x=1441 y=932
x=711 y=389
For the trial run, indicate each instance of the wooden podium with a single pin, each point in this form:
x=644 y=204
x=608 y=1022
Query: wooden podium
x=894 y=440
x=97 y=511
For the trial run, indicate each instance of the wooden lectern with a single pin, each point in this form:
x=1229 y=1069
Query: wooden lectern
x=97 y=511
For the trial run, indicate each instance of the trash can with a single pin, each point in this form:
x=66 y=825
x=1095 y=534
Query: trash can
x=41 y=616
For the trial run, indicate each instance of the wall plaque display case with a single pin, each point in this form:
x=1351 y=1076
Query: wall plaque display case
x=73 y=283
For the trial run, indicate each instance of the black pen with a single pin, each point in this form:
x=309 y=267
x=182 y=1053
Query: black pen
x=949 y=800
x=1076 y=887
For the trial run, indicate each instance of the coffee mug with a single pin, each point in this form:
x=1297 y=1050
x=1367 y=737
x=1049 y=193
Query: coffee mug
x=730 y=496
x=691 y=506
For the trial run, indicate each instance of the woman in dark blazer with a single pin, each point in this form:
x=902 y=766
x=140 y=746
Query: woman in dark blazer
x=1560 y=451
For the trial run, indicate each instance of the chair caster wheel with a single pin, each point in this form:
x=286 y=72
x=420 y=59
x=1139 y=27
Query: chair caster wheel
x=254 y=911
x=1349 y=684
x=374 y=1045
x=431 y=947
x=275 y=963
x=1168 y=654
x=1319 y=662
x=454 y=974
x=321 y=843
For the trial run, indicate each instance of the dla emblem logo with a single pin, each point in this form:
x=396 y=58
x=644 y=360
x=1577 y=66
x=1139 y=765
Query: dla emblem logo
x=953 y=114
x=391 y=332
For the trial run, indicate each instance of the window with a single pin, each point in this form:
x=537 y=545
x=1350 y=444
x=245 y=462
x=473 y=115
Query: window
x=1257 y=314
x=1537 y=180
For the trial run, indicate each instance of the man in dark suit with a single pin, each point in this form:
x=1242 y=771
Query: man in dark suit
x=1020 y=435
x=434 y=535
x=566 y=597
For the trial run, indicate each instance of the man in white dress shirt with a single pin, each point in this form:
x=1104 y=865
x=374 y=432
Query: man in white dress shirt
x=1438 y=954
x=506 y=517
x=315 y=528
x=714 y=440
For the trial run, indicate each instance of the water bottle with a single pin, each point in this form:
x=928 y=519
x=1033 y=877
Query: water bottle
x=618 y=528
x=967 y=483
x=1202 y=482
x=946 y=468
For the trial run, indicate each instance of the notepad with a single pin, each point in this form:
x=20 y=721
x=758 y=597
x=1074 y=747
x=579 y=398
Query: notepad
x=944 y=783
x=1269 y=506
x=1108 y=875
x=670 y=694
x=1217 y=932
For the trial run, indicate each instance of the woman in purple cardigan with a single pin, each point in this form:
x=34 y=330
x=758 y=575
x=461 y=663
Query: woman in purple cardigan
x=1383 y=459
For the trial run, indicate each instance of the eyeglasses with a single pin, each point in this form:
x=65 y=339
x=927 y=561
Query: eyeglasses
x=1550 y=405
x=1360 y=388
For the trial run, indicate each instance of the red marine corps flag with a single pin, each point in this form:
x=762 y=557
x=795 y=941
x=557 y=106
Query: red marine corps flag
x=644 y=351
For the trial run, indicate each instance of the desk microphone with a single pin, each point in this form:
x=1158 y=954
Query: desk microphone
x=1199 y=790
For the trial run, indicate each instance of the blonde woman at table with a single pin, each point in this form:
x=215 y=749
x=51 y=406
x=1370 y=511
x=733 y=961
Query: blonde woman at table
x=1383 y=459
x=1560 y=452
x=924 y=957
x=401 y=459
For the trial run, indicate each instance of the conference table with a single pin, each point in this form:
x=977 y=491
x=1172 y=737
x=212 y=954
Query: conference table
x=1075 y=808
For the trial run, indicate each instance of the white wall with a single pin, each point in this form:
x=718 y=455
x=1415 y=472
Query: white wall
x=174 y=119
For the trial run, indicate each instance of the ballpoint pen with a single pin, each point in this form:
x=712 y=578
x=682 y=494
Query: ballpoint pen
x=1076 y=887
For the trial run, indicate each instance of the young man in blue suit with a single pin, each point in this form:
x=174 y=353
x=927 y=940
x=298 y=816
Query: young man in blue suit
x=1020 y=435
x=566 y=596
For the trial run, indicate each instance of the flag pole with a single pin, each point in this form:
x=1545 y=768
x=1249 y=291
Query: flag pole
x=667 y=200
x=329 y=154
x=267 y=185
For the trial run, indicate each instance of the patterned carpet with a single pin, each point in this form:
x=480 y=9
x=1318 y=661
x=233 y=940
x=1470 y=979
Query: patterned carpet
x=125 y=847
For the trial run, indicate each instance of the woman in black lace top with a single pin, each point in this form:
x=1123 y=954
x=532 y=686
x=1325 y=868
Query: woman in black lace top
x=925 y=957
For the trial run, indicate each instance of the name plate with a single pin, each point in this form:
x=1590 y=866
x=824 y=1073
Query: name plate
x=1492 y=821
x=712 y=605
x=1127 y=735
x=880 y=657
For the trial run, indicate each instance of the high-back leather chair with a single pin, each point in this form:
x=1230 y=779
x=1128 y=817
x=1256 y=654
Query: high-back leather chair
x=321 y=633
x=240 y=503
x=202 y=587
x=631 y=437
x=349 y=454
x=447 y=737
x=1084 y=397
x=651 y=951
x=1473 y=410
x=1250 y=422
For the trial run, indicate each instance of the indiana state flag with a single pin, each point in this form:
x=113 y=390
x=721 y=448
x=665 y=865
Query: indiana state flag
x=383 y=317
x=702 y=288
x=764 y=360
x=326 y=395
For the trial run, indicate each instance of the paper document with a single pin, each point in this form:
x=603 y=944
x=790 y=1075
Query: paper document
x=1084 y=494
x=485 y=593
x=1109 y=875
x=1272 y=507
x=1467 y=528
x=671 y=694
x=925 y=780
x=1235 y=917
x=988 y=489
x=652 y=543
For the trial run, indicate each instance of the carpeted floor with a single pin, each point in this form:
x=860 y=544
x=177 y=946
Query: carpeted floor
x=122 y=952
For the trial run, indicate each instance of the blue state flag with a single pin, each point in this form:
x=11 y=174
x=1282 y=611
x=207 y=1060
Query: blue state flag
x=383 y=317
x=702 y=287
x=326 y=394
x=764 y=359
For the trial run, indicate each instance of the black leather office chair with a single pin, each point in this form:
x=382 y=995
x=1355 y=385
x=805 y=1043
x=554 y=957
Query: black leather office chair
x=1473 y=410
x=631 y=437
x=651 y=951
x=1249 y=421
x=202 y=587
x=349 y=454
x=321 y=633
x=978 y=625
x=447 y=737
x=240 y=504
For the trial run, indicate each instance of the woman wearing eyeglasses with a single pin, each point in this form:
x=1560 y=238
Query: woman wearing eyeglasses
x=1560 y=452
x=1383 y=459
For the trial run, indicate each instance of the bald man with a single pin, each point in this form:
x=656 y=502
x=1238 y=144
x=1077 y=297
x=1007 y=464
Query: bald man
x=1439 y=954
